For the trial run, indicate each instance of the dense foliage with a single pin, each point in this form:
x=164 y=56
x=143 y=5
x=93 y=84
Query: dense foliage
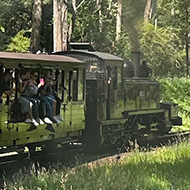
x=177 y=90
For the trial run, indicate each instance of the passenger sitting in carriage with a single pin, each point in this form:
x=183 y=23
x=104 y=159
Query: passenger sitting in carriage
x=31 y=89
x=26 y=105
x=6 y=83
x=52 y=105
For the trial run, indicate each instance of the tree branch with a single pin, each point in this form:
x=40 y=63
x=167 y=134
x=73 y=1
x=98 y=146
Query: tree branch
x=80 y=4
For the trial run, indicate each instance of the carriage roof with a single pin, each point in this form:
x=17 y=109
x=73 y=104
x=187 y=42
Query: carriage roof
x=12 y=60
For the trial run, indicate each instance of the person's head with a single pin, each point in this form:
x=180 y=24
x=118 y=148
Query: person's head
x=24 y=74
x=34 y=75
x=143 y=62
x=7 y=75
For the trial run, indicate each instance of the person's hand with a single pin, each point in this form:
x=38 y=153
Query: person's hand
x=14 y=86
x=41 y=84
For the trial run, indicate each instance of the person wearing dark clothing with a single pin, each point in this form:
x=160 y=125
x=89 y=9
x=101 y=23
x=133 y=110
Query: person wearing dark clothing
x=6 y=84
x=31 y=90
x=145 y=71
x=49 y=101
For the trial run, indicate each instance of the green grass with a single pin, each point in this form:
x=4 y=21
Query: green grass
x=162 y=169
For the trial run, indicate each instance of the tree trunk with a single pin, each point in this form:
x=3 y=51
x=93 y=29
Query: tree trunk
x=36 y=25
x=118 y=24
x=187 y=57
x=147 y=10
x=186 y=39
x=72 y=24
x=60 y=26
x=99 y=3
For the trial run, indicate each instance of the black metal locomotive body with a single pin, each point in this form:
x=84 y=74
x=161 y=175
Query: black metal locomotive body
x=121 y=108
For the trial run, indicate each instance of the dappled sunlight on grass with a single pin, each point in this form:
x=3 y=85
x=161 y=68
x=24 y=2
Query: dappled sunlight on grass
x=161 y=169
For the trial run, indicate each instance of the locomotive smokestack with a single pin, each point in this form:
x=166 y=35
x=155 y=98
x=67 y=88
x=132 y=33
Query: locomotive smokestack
x=135 y=59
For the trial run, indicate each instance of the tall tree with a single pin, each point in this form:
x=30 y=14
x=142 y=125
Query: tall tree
x=72 y=7
x=118 y=24
x=177 y=18
x=36 y=25
x=99 y=5
x=147 y=10
x=60 y=25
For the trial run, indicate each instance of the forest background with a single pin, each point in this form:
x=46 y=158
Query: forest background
x=157 y=28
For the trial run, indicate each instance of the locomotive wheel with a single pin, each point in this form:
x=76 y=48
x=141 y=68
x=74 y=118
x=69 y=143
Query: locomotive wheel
x=113 y=139
x=164 y=126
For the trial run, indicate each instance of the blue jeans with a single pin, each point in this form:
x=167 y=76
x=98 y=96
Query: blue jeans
x=35 y=107
x=48 y=106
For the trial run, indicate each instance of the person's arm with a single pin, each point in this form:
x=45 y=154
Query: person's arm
x=10 y=92
x=22 y=86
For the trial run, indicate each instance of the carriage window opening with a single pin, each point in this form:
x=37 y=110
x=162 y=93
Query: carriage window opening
x=8 y=86
x=81 y=85
x=75 y=85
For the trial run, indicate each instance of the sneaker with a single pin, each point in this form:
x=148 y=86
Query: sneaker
x=40 y=121
x=35 y=122
x=53 y=120
x=60 y=117
x=32 y=127
x=50 y=128
x=47 y=120
x=57 y=120
x=28 y=120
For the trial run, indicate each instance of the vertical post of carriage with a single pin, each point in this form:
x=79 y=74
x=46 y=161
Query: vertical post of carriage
x=16 y=82
x=1 y=80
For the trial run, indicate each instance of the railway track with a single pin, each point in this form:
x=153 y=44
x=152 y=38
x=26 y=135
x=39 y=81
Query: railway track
x=174 y=137
x=12 y=162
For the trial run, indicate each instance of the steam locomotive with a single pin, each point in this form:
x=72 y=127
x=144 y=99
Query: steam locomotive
x=104 y=100
x=122 y=102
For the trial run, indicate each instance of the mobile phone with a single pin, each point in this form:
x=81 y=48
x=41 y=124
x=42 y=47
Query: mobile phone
x=42 y=81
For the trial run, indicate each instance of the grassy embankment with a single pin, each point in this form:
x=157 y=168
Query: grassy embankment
x=163 y=169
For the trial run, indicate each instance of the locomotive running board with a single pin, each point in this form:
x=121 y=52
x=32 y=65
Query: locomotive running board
x=115 y=121
x=142 y=112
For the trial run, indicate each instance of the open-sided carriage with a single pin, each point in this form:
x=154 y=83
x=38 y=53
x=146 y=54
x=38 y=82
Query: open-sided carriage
x=69 y=78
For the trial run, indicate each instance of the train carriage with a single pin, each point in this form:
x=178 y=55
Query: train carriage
x=69 y=75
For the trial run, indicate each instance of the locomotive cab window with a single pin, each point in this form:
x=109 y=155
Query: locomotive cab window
x=78 y=84
x=119 y=77
x=116 y=76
